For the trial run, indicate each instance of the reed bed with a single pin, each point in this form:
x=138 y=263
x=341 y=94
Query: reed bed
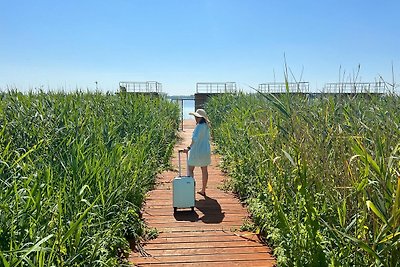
x=74 y=171
x=320 y=175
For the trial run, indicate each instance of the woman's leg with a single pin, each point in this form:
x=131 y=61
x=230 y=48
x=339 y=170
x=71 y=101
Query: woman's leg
x=191 y=171
x=204 y=172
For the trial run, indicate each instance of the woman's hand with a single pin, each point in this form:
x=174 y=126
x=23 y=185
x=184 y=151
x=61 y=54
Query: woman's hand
x=185 y=150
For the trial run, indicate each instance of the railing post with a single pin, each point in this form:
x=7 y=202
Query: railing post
x=182 y=115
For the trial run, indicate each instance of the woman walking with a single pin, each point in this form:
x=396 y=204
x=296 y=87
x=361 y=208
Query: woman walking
x=200 y=150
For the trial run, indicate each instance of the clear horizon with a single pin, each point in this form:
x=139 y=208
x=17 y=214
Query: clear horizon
x=72 y=45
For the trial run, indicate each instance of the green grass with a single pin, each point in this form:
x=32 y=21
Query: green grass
x=321 y=176
x=74 y=171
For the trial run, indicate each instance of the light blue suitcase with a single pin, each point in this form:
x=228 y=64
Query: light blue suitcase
x=183 y=188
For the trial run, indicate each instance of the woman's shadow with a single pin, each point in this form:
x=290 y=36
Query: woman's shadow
x=211 y=210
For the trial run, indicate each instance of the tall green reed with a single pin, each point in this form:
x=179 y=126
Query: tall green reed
x=319 y=174
x=74 y=169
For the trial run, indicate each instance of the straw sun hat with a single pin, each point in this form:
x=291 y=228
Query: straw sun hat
x=200 y=113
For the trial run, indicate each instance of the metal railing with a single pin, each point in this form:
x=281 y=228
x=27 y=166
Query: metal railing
x=140 y=87
x=355 y=88
x=273 y=87
x=216 y=87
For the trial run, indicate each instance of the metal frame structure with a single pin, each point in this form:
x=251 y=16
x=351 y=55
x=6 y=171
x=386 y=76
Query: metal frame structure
x=273 y=87
x=216 y=87
x=355 y=88
x=140 y=87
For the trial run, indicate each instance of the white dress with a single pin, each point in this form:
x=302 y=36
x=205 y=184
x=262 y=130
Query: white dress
x=200 y=151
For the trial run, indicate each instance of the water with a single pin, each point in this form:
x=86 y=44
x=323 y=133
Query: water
x=188 y=106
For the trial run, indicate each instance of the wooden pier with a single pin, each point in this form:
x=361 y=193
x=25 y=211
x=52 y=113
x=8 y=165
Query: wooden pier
x=340 y=88
x=151 y=88
x=210 y=235
x=206 y=90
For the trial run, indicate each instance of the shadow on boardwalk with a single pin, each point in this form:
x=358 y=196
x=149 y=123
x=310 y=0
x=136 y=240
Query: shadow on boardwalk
x=209 y=207
x=186 y=215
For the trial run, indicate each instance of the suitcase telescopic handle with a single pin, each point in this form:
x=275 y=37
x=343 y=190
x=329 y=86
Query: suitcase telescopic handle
x=179 y=163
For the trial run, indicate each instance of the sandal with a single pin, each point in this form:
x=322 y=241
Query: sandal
x=201 y=193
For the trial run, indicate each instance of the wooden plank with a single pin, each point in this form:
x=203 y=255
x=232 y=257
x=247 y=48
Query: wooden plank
x=195 y=239
x=195 y=218
x=203 y=233
x=204 y=258
x=221 y=244
x=203 y=251
x=167 y=195
x=174 y=228
x=198 y=206
x=169 y=212
x=252 y=263
x=161 y=193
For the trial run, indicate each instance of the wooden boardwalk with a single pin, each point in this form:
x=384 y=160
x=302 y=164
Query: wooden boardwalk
x=210 y=235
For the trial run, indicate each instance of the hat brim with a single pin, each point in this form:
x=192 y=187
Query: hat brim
x=199 y=116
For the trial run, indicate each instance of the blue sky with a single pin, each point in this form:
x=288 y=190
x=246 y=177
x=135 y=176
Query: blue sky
x=72 y=44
